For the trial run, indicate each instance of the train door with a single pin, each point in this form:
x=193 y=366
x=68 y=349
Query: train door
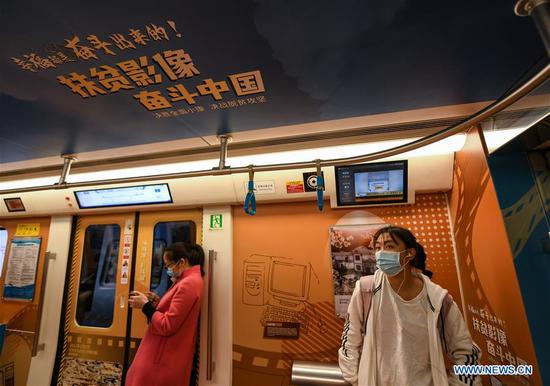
x=157 y=230
x=112 y=255
x=96 y=308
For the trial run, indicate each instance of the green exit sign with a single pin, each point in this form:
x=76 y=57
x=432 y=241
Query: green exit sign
x=216 y=221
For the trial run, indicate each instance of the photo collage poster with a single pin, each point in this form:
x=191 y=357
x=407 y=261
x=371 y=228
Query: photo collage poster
x=352 y=254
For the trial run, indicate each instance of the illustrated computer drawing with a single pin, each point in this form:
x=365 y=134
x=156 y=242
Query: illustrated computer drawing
x=282 y=286
x=277 y=281
x=288 y=283
x=254 y=280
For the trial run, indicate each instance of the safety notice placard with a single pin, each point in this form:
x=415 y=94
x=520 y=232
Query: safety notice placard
x=21 y=271
x=262 y=187
x=26 y=230
x=295 y=187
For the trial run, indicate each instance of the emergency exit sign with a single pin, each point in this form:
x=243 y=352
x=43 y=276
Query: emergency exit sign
x=216 y=221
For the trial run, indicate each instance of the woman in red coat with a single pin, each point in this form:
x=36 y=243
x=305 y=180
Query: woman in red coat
x=165 y=355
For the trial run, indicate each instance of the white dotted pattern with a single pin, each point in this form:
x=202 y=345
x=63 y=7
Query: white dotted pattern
x=428 y=219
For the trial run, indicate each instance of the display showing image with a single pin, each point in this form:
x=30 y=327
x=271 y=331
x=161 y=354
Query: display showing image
x=372 y=184
x=124 y=196
x=383 y=183
x=352 y=256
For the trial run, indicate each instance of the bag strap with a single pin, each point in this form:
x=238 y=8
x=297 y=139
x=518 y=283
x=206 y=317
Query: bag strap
x=444 y=311
x=367 y=290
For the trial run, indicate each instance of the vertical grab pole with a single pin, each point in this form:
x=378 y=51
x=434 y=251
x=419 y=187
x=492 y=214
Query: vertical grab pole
x=36 y=345
x=68 y=160
x=224 y=141
x=209 y=362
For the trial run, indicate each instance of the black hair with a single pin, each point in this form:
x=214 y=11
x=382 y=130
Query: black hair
x=406 y=236
x=193 y=253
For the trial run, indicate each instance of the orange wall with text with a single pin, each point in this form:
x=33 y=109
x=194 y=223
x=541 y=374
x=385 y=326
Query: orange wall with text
x=494 y=308
x=299 y=233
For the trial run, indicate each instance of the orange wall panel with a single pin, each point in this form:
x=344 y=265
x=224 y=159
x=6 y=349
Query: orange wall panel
x=494 y=308
x=299 y=233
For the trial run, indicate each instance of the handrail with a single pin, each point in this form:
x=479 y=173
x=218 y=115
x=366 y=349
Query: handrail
x=36 y=345
x=316 y=374
x=475 y=119
x=209 y=323
x=19 y=332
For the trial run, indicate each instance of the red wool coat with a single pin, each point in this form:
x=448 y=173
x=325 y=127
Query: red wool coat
x=165 y=355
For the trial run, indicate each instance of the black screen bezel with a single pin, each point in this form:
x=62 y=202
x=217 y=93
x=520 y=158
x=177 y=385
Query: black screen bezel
x=122 y=205
x=365 y=167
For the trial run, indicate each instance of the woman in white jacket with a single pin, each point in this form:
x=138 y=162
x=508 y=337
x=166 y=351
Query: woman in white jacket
x=399 y=324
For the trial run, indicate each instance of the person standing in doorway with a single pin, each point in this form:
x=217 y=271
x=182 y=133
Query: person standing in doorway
x=165 y=355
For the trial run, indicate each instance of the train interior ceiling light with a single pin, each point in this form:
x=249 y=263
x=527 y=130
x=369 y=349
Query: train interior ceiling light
x=494 y=140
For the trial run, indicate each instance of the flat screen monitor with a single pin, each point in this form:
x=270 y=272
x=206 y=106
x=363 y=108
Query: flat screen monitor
x=371 y=184
x=125 y=196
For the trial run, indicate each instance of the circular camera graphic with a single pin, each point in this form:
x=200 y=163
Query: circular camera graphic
x=312 y=182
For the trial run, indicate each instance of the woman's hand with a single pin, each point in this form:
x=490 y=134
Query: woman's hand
x=153 y=298
x=137 y=299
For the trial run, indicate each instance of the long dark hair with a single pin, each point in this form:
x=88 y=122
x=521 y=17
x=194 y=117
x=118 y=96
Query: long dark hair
x=406 y=236
x=193 y=253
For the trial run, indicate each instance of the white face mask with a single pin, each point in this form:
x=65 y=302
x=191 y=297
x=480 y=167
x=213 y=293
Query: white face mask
x=389 y=262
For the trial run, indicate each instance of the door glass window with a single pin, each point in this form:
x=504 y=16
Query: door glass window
x=3 y=243
x=108 y=272
x=164 y=234
x=97 y=283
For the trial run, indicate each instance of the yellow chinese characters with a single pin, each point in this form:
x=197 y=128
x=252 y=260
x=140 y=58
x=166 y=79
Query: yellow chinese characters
x=141 y=72
x=82 y=50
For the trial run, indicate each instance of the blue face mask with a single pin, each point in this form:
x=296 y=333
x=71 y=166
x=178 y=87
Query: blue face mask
x=388 y=262
x=170 y=272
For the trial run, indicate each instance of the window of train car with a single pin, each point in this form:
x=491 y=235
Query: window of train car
x=97 y=284
x=108 y=275
x=164 y=234
x=3 y=244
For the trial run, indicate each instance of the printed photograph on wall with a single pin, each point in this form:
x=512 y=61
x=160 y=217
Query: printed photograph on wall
x=352 y=256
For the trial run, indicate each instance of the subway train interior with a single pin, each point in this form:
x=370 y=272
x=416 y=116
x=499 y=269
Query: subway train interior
x=280 y=137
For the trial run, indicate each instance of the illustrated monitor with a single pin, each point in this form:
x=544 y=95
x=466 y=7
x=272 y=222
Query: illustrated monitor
x=371 y=184
x=130 y=195
x=289 y=281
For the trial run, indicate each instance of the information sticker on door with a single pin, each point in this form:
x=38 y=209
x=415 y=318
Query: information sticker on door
x=127 y=240
x=129 y=226
x=124 y=273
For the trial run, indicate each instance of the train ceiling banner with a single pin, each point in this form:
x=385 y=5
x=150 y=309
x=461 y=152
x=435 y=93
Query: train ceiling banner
x=84 y=77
